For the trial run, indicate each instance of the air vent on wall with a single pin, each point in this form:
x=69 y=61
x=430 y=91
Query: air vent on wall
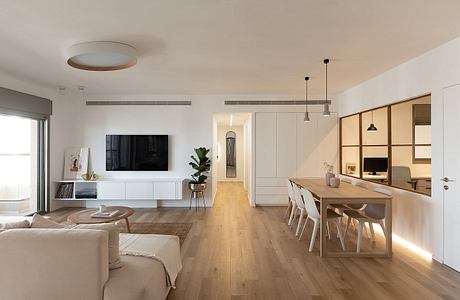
x=161 y=103
x=273 y=102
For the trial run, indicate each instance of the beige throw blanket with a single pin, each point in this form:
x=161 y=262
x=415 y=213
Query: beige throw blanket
x=164 y=248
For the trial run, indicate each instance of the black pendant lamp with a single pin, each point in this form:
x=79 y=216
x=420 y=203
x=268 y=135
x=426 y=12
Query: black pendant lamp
x=372 y=126
x=326 y=111
x=306 y=118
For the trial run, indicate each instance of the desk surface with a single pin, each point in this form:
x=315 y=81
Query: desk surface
x=378 y=176
x=318 y=187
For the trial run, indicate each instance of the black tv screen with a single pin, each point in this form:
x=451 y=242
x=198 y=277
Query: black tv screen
x=136 y=153
x=375 y=164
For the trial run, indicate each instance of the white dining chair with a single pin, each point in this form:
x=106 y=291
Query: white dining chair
x=314 y=215
x=300 y=207
x=340 y=208
x=372 y=213
x=290 y=211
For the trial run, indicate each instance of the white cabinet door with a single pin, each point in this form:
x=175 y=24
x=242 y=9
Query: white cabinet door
x=452 y=176
x=265 y=145
x=139 y=190
x=164 y=190
x=111 y=190
x=286 y=142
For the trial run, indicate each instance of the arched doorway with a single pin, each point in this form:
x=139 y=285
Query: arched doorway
x=230 y=141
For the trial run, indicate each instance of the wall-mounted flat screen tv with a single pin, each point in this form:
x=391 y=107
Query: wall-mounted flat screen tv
x=136 y=153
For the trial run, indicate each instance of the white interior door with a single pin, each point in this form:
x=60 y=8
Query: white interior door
x=451 y=177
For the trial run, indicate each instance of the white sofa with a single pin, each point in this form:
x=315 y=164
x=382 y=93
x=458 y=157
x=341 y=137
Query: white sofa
x=72 y=264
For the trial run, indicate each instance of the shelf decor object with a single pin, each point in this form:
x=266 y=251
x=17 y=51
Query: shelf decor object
x=90 y=176
x=329 y=172
x=76 y=162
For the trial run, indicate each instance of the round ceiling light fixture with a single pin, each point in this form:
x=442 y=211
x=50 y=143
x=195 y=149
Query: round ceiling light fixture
x=101 y=56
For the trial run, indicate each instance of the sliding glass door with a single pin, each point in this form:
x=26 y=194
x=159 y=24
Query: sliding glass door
x=22 y=165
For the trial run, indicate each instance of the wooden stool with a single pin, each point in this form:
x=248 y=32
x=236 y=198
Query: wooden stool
x=196 y=195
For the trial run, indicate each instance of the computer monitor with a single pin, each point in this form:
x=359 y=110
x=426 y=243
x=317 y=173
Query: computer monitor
x=375 y=164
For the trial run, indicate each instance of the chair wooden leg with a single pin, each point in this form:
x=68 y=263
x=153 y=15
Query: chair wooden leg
x=338 y=222
x=313 y=235
x=371 y=228
x=297 y=232
x=360 y=236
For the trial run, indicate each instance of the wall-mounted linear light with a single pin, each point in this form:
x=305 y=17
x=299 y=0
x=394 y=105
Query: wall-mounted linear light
x=325 y=102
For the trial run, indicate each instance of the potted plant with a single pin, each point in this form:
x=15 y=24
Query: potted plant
x=201 y=164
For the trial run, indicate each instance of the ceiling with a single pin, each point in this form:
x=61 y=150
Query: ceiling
x=222 y=46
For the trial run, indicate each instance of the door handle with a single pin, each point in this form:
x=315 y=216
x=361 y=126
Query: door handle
x=446 y=179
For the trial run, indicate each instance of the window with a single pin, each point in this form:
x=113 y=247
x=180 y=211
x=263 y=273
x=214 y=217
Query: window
x=390 y=145
x=21 y=166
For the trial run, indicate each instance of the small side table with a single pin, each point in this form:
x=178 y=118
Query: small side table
x=84 y=216
x=196 y=195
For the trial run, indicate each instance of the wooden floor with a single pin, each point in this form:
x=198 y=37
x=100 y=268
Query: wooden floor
x=234 y=252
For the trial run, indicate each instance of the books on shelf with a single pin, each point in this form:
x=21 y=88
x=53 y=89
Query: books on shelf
x=104 y=214
x=65 y=190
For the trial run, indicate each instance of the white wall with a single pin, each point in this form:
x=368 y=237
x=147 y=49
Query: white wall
x=417 y=218
x=221 y=163
x=188 y=127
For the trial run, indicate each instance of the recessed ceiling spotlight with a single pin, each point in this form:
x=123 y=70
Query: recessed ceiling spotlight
x=101 y=56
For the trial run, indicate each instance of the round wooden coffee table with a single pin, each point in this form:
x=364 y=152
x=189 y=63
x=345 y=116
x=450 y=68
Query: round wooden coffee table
x=84 y=216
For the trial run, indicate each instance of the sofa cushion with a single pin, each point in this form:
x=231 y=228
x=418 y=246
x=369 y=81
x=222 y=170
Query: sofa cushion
x=150 y=281
x=114 y=239
x=12 y=225
x=38 y=221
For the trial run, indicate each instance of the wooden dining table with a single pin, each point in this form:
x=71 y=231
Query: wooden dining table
x=347 y=193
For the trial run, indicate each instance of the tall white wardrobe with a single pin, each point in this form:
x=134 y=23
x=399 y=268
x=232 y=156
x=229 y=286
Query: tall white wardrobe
x=286 y=146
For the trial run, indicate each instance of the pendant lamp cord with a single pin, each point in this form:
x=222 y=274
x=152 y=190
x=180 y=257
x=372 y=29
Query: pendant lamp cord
x=306 y=93
x=326 y=61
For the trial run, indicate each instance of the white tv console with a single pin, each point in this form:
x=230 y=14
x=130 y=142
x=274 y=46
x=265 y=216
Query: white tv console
x=129 y=192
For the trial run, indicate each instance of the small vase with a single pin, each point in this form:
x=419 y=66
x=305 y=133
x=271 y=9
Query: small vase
x=334 y=182
x=329 y=175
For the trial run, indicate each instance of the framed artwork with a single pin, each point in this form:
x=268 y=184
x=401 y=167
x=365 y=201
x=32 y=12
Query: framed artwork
x=75 y=163
x=350 y=168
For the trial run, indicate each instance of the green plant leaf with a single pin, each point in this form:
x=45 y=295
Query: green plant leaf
x=201 y=163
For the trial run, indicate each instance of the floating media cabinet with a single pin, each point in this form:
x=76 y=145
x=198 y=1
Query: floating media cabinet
x=129 y=192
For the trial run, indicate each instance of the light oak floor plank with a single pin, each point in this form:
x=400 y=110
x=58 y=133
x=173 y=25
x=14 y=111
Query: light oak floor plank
x=237 y=252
